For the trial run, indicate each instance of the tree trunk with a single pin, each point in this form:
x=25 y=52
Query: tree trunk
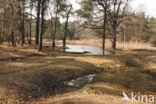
x=30 y=33
x=104 y=35
x=13 y=38
x=65 y=34
x=2 y=32
x=23 y=25
x=27 y=34
x=114 y=41
x=38 y=22
x=21 y=10
x=12 y=24
x=30 y=27
x=53 y=44
x=42 y=25
x=115 y=37
x=104 y=27
x=52 y=28
x=66 y=27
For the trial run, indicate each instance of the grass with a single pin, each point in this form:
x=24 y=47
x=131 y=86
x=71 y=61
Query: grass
x=38 y=79
x=127 y=72
x=98 y=42
x=41 y=76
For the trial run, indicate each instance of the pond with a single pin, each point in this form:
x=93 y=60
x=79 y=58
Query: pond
x=86 y=49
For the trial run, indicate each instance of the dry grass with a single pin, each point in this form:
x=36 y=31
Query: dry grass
x=134 y=45
x=98 y=42
x=8 y=52
x=82 y=97
x=84 y=42
x=38 y=80
x=40 y=76
x=127 y=72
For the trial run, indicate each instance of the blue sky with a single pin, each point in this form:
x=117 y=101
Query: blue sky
x=149 y=6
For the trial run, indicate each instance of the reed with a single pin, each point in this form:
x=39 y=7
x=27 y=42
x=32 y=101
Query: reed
x=120 y=45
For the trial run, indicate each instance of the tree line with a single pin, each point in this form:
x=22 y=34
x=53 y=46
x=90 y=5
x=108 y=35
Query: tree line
x=19 y=18
x=22 y=20
x=114 y=20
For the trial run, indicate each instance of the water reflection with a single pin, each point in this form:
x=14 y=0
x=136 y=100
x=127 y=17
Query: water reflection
x=85 y=49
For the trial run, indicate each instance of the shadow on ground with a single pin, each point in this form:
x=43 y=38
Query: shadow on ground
x=41 y=76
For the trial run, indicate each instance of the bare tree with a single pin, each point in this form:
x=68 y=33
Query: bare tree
x=59 y=6
x=102 y=6
x=66 y=24
x=116 y=14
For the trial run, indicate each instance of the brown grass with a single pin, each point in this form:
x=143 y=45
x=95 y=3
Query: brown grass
x=98 y=42
x=84 y=98
x=134 y=45
x=38 y=78
x=129 y=72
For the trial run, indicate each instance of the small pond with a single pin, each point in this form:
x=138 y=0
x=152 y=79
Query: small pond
x=85 y=49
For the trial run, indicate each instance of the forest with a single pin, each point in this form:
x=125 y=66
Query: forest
x=52 y=52
x=28 y=20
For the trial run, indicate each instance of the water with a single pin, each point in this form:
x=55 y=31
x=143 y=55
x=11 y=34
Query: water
x=81 y=81
x=86 y=49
